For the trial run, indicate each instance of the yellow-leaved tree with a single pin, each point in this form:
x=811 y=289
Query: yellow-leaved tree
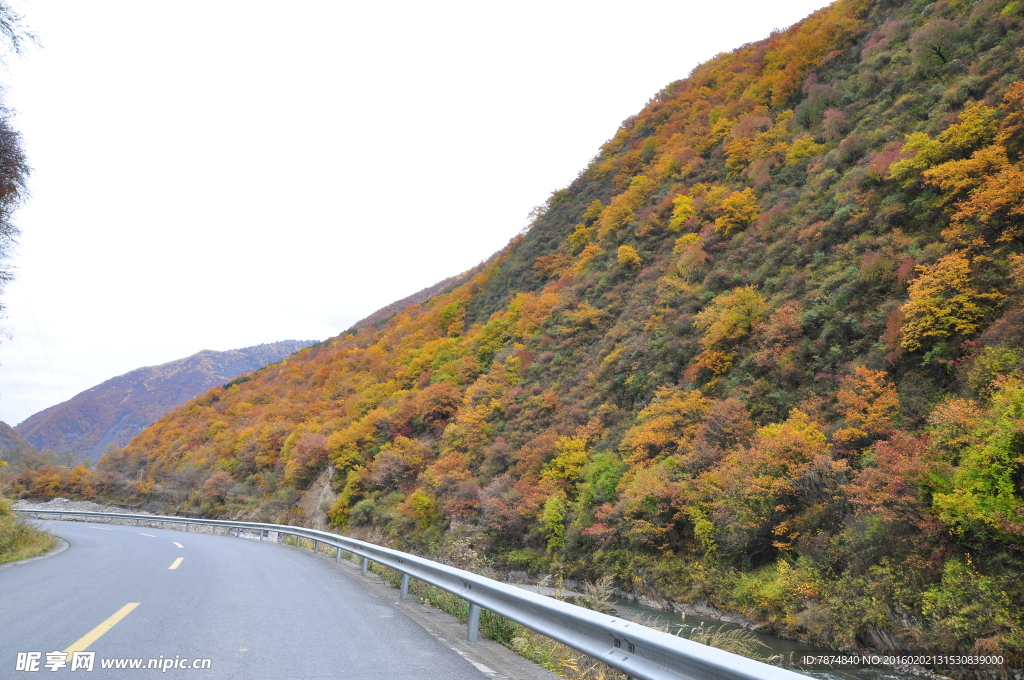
x=975 y=127
x=728 y=320
x=624 y=206
x=682 y=210
x=568 y=463
x=629 y=257
x=803 y=148
x=739 y=210
x=944 y=303
x=666 y=426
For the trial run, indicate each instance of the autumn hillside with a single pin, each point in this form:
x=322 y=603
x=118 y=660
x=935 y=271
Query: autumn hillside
x=111 y=413
x=764 y=352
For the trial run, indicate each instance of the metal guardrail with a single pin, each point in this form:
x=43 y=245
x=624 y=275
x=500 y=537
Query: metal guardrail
x=638 y=651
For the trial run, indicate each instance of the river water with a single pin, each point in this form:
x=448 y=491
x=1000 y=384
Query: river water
x=790 y=651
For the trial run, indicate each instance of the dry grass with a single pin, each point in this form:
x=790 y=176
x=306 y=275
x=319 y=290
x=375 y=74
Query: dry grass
x=18 y=539
x=735 y=640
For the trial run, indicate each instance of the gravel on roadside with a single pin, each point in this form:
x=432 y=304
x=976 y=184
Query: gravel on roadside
x=69 y=505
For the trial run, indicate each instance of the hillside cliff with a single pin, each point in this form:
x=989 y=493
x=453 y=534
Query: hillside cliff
x=116 y=410
x=764 y=352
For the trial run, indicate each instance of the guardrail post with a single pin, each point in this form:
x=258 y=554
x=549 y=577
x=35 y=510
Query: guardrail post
x=316 y=547
x=337 y=557
x=405 y=587
x=366 y=565
x=473 y=626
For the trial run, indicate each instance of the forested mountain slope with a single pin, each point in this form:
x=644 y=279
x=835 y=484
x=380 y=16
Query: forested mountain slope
x=385 y=314
x=10 y=439
x=765 y=351
x=116 y=410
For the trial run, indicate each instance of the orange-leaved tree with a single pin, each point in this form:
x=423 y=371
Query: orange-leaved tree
x=868 y=402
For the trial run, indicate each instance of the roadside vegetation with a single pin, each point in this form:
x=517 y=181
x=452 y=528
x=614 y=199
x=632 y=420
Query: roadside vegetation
x=18 y=540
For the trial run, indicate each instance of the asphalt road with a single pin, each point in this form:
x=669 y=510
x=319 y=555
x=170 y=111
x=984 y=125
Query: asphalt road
x=255 y=610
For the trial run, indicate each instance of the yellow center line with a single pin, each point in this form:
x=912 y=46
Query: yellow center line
x=176 y=563
x=150 y=535
x=95 y=634
x=177 y=544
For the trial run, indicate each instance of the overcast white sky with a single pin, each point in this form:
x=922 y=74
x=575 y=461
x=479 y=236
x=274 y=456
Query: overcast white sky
x=215 y=174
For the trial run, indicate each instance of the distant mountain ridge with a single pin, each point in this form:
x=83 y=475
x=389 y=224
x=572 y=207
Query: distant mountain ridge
x=10 y=439
x=116 y=410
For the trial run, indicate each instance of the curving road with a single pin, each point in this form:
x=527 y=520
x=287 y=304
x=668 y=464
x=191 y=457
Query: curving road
x=255 y=610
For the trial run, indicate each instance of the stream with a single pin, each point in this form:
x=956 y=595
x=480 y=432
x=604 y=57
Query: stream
x=789 y=650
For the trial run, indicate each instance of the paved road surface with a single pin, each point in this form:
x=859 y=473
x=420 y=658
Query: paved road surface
x=255 y=610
